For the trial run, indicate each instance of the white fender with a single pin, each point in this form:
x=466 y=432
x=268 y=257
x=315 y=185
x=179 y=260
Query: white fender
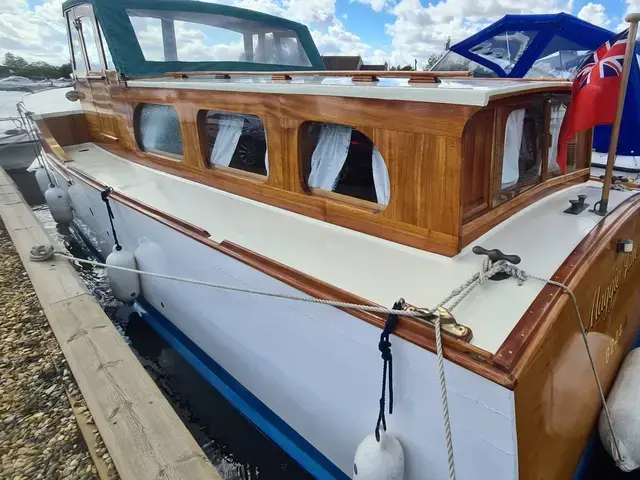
x=59 y=206
x=383 y=460
x=42 y=178
x=124 y=285
x=624 y=404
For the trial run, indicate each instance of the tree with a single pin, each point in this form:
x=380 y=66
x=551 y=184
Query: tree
x=433 y=59
x=399 y=68
x=13 y=64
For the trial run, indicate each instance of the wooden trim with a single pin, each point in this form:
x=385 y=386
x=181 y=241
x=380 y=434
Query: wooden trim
x=366 y=78
x=546 y=142
x=328 y=73
x=479 y=226
x=275 y=77
x=462 y=353
x=521 y=344
x=559 y=88
x=109 y=137
x=238 y=172
x=372 y=207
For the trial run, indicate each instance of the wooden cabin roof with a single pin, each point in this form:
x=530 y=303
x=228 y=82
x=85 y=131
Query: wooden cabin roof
x=388 y=86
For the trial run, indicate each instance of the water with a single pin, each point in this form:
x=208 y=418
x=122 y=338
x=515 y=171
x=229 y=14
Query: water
x=8 y=102
x=236 y=448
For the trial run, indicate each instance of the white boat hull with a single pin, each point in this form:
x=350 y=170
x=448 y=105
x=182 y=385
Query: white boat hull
x=316 y=367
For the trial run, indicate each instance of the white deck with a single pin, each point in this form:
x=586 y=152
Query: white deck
x=376 y=269
x=460 y=91
x=51 y=103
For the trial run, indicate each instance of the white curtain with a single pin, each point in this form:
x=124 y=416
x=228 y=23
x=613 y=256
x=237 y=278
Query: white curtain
x=380 y=177
x=512 y=141
x=329 y=156
x=229 y=132
x=557 y=116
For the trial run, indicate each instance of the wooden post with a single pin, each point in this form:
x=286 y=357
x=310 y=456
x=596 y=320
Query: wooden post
x=603 y=204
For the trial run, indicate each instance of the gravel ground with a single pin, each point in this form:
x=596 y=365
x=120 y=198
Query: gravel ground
x=39 y=435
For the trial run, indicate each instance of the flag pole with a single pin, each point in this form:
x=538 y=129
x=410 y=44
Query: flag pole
x=632 y=19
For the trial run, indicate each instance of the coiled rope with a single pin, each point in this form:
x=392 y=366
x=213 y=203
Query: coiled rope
x=42 y=253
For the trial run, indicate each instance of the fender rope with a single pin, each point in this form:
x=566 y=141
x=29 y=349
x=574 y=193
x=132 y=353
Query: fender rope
x=384 y=345
x=43 y=253
x=105 y=198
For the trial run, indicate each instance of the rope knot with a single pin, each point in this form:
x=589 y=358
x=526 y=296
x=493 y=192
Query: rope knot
x=384 y=345
x=41 y=253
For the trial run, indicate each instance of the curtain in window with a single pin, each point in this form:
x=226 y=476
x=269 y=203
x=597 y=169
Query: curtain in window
x=329 y=156
x=557 y=115
x=512 y=142
x=229 y=132
x=380 y=177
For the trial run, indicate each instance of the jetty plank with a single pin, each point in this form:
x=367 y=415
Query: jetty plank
x=141 y=431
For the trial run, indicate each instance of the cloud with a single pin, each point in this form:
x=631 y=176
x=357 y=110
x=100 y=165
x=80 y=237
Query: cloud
x=420 y=31
x=633 y=6
x=376 y=5
x=594 y=13
x=37 y=35
x=337 y=40
x=417 y=30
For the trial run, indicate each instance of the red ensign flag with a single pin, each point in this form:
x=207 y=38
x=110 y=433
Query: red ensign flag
x=594 y=95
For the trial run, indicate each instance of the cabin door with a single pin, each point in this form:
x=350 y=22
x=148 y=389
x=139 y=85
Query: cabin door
x=93 y=71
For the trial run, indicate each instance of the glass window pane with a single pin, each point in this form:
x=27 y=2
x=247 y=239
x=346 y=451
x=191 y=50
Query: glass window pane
x=505 y=49
x=194 y=37
x=453 y=62
x=237 y=141
x=80 y=65
x=522 y=152
x=107 y=52
x=340 y=159
x=158 y=129
x=561 y=64
x=90 y=43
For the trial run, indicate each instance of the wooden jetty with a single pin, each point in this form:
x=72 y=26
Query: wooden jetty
x=141 y=431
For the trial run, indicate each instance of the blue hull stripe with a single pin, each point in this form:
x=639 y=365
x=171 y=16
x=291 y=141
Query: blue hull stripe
x=274 y=427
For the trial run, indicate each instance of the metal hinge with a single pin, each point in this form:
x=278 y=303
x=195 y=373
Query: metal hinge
x=448 y=323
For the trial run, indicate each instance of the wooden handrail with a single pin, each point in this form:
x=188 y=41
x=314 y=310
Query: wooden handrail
x=328 y=73
x=356 y=75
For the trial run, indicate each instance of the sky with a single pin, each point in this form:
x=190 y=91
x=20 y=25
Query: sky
x=393 y=31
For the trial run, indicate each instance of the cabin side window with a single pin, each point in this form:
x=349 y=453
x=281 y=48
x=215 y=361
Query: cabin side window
x=158 y=131
x=340 y=159
x=233 y=140
x=523 y=143
x=514 y=146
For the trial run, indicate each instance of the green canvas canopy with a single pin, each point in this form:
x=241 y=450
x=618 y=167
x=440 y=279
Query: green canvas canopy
x=152 y=37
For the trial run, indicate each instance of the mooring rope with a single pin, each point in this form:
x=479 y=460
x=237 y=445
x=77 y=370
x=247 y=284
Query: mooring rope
x=41 y=253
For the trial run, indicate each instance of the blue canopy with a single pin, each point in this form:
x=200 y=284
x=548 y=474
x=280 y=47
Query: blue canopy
x=519 y=46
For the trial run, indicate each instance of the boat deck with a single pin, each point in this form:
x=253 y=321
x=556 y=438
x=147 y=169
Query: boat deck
x=541 y=234
x=459 y=91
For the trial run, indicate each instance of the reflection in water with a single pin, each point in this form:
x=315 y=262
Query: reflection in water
x=236 y=448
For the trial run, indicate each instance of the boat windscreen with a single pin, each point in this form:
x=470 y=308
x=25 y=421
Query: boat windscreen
x=193 y=37
x=155 y=37
x=505 y=49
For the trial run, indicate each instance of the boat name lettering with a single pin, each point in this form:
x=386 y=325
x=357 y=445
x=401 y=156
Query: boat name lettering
x=603 y=300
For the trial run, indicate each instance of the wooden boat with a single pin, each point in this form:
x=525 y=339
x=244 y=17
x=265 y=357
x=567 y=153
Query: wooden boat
x=362 y=187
